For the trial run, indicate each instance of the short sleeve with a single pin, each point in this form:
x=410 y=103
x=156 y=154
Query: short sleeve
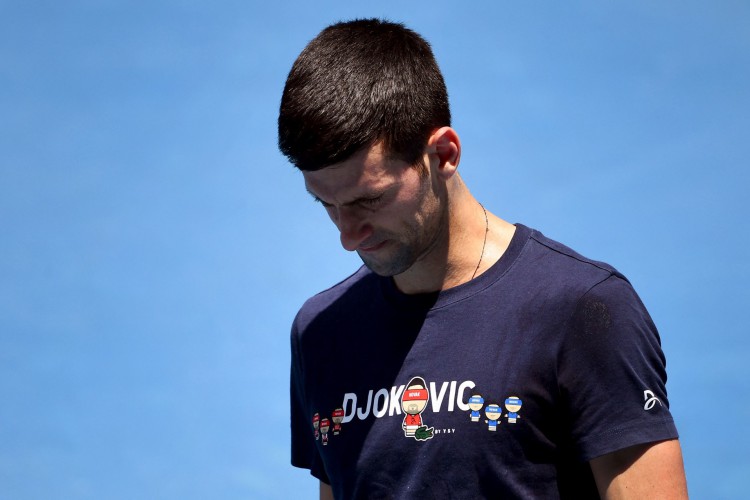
x=304 y=450
x=612 y=373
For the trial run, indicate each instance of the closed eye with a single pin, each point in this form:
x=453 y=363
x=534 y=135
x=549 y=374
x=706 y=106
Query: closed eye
x=318 y=200
x=365 y=202
x=371 y=202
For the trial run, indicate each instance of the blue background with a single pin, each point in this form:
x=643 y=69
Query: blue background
x=155 y=246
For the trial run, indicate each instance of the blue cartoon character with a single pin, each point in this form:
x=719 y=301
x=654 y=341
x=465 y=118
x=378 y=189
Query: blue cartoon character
x=476 y=401
x=493 y=412
x=513 y=405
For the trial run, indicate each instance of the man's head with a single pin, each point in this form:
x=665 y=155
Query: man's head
x=356 y=84
x=384 y=209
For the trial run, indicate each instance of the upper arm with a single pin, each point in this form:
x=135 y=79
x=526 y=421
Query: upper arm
x=326 y=493
x=611 y=373
x=652 y=470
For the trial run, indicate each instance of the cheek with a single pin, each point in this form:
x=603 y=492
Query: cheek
x=417 y=194
x=410 y=212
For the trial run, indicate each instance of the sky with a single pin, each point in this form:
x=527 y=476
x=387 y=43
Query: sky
x=155 y=245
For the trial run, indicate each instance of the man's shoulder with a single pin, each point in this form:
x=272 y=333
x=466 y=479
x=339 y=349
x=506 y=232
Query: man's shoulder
x=352 y=288
x=558 y=259
x=560 y=275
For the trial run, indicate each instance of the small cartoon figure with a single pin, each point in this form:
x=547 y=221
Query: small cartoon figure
x=476 y=402
x=513 y=404
x=316 y=424
x=493 y=412
x=324 y=425
x=337 y=417
x=413 y=402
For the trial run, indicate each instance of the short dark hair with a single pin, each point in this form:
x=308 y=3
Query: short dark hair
x=358 y=83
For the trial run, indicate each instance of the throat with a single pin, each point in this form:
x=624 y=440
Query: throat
x=456 y=256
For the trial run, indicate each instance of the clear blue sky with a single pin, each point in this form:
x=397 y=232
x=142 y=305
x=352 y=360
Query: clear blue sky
x=155 y=246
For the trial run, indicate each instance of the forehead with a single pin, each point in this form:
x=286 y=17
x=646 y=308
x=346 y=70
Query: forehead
x=366 y=172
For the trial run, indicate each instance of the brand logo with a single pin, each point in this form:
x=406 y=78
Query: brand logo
x=650 y=399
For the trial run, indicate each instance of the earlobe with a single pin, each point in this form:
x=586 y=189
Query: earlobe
x=447 y=146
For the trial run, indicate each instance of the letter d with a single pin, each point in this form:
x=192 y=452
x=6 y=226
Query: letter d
x=349 y=411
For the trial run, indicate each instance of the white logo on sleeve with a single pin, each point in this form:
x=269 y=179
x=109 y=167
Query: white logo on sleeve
x=650 y=399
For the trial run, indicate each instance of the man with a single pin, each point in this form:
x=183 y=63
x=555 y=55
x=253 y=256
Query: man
x=459 y=300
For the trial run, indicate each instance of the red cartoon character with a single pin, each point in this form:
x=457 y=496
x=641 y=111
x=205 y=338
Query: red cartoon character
x=413 y=402
x=316 y=424
x=325 y=424
x=337 y=417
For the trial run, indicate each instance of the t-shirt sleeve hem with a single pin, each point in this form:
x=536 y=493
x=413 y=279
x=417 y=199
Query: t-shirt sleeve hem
x=621 y=438
x=313 y=471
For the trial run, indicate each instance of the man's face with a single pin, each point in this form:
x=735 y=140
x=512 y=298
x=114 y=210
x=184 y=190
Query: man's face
x=384 y=209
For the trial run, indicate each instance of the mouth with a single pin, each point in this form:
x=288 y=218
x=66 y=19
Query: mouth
x=372 y=248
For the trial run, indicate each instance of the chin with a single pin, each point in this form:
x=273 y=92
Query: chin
x=381 y=270
x=389 y=267
x=386 y=269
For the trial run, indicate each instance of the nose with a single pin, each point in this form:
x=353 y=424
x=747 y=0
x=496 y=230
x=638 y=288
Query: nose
x=353 y=228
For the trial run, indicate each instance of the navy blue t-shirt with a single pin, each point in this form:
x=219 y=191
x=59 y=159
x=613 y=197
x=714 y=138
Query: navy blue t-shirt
x=503 y=387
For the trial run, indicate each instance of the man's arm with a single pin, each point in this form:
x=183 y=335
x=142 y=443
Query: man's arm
x=326 y=493
x=652 y=470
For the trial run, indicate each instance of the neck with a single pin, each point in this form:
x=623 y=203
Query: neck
x=469 y=243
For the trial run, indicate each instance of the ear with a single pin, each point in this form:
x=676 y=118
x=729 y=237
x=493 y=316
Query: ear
x=445 y=144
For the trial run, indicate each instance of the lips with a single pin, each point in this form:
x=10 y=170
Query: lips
x=372 y=248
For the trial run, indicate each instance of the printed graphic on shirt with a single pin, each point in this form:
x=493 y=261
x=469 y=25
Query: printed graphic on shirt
x=650 y=398
x=316 y=425
x=513 y=405
x=476 y=402
x=378 y=403
x=493 y=412
x=413 y=402
x=337 y=417
x=419 y=400
x=321 y=427
x=324 y=426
